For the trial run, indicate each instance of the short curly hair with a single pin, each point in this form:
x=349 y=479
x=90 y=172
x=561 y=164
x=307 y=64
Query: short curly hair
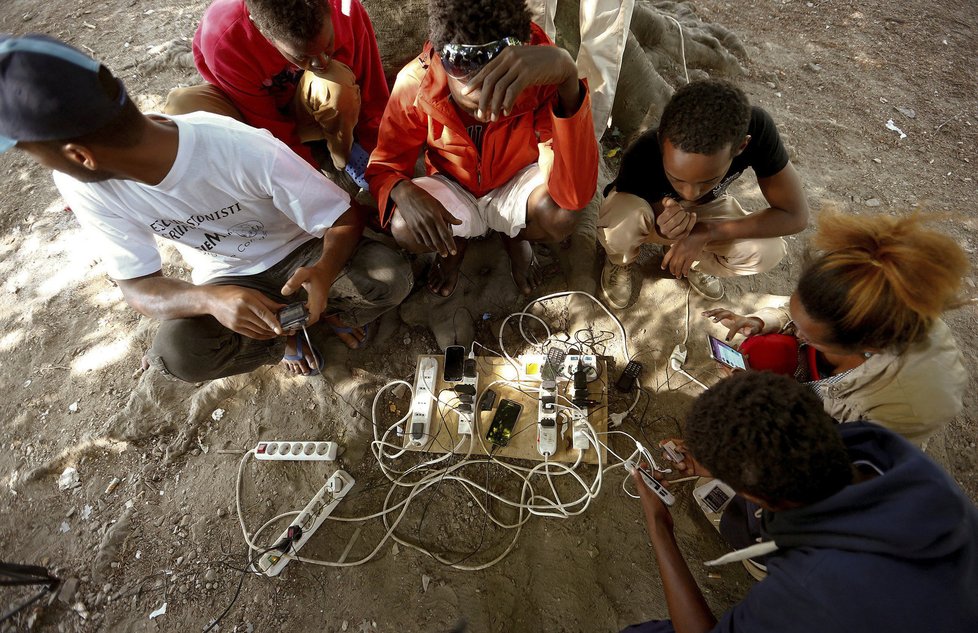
x=769 y=436
x=294 y=21
x=705 y=117
x=477 y=21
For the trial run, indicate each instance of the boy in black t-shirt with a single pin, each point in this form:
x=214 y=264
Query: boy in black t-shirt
x=671 y=189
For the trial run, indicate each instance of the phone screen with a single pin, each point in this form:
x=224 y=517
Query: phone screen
x=503 y=422
x=454 y=362
x=727 y=355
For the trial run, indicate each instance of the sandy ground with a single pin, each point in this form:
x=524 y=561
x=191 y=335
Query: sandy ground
x=832 y=73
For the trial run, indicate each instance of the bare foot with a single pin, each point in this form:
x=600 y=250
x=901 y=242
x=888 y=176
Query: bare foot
x=443 y=276
x=526 y=272
x=351 y=336
x=298 y=367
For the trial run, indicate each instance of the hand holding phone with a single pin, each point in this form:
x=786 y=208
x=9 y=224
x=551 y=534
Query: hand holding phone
x=727 y=355
x=651 y=483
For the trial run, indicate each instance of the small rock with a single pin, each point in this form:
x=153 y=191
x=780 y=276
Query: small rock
x=68 y=589
x=113 y=484
x=179 y=561
x=64 y=528
x=407 y=340
x=345 y=625
x=815 y=68
x=80 y=609
x=872 y=202
x=158 y=612
x=907 y=112
x=218 y=414
x=210 y=576
x=69 y=479
x=877 y=161
x=221 y=513
x=73 y=407
x=86 y=512
x=395 y=550
x=425 y=581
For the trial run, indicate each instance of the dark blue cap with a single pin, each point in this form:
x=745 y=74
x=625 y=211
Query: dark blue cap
x=50 y=91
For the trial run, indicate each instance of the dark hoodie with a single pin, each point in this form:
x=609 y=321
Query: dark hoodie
x=897 y=553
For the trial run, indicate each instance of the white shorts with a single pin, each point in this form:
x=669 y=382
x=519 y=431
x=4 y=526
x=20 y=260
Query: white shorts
x=503 y=209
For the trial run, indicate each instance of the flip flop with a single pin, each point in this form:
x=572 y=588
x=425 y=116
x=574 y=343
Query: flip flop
x=342 y=329
x=300 y=356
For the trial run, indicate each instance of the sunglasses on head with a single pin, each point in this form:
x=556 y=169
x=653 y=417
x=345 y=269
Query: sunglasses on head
x=461 y=61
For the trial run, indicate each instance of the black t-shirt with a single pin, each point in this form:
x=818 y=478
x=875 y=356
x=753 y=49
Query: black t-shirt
x=641 y=171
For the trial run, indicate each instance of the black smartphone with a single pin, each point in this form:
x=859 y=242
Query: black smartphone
x=726 y=355
x=454 y=363
x=503 y=422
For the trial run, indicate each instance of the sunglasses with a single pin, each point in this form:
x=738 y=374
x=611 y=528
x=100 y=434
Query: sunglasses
x=461 y=61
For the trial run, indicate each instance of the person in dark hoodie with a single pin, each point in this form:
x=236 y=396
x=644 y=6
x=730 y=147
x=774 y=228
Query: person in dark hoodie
x=864 y=531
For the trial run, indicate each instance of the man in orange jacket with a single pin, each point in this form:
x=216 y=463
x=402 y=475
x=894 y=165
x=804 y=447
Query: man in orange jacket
x=508 y=140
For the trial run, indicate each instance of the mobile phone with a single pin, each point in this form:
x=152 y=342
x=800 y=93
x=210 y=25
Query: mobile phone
x=672 y=452
x=652 y=483
x=501 y=429
x=714 y=495
x=726 y=355
x=293 y=316
x=454 y=363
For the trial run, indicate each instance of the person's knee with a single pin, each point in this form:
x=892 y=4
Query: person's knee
x=403 y=236
x=770 y=253
x=389 y=278
x=176 y=350
x=177 y=102
x=558 y=224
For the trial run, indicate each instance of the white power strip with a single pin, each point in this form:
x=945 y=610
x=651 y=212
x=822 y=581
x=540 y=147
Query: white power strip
x=547 y=418
x=466 y=410
x=579 y=430
x=419 y=426
x=312 y=516
x=296 y=451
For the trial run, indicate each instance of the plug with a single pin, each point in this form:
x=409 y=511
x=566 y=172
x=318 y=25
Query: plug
x=615 y=419
x=678 y=357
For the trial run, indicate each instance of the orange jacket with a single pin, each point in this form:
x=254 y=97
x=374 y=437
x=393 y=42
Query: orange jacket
x=421 y=114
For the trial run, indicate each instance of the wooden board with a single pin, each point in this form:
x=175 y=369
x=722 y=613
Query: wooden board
x=522 y=445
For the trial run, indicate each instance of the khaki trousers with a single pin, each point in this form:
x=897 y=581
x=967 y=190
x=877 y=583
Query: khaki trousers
x=604 y=28
x=626 y=222
x=326 y=107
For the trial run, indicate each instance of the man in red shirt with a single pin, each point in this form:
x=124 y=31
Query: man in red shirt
x=302 y=70
x=508 y=140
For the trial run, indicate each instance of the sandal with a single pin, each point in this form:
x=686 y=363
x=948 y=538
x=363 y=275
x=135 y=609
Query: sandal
x=300 y=356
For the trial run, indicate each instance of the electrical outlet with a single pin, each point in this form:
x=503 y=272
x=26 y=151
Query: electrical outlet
x=296 y=451
x=312 y=516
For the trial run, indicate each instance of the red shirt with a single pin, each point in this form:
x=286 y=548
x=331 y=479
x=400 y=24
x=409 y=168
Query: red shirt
x=421 y=114
x=233 y=55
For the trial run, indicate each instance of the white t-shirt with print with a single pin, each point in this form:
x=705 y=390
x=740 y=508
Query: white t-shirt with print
x=236 y=202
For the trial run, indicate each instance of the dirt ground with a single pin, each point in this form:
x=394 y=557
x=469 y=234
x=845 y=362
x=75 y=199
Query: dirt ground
x=831 y=72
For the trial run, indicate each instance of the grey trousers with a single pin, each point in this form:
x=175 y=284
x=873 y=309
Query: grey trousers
x=376 y=279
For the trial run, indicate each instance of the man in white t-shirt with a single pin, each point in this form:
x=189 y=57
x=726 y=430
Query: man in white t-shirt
x=259 y=227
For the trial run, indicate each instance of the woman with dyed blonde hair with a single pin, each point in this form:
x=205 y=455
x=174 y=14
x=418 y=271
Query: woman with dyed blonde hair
x=863 y=327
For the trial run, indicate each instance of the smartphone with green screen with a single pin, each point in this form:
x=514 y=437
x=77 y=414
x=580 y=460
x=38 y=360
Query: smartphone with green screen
x=503 y=423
